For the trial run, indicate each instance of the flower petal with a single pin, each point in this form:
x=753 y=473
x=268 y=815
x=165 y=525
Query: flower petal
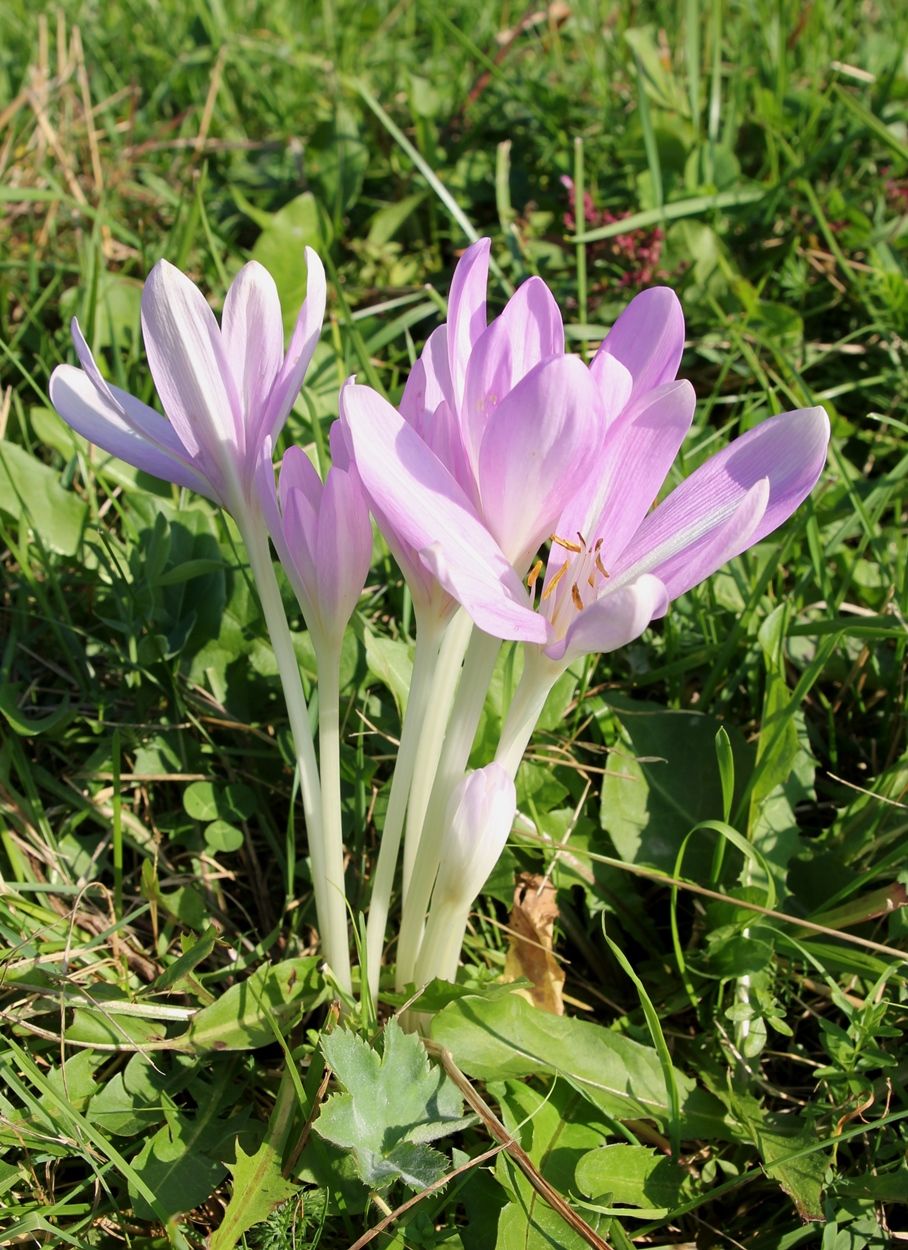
x=343 y=551
x=691 y=565
x=614 y=382
x=303 y=342
x=648 y=338
x=253 y=339
x=788 y=450
x=478 y=820
x=539 y=447
x=190 y=370
x=640 y=448
x=418 y=502
x=528 y=331
x=466 y=311
x=429 y=382
x=123 y=426
x=612 y=621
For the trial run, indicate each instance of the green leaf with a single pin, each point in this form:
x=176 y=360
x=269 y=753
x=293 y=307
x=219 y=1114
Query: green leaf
x=390 y=661
x=31 y=491
x=244 y=1016
x=181 y=1163
x=281 y=248
x=131 y=1100
x=221 y=836
x=508 y=1037
x=631 y=1176
x=663 y=781
x=258 y=1187
x=393 y=1106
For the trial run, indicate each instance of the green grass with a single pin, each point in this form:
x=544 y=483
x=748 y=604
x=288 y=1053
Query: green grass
x=760 y=156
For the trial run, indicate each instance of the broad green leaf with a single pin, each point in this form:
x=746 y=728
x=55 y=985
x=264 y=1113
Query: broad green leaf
x=243 y=1017
x=662 y=780
x=507 y=1037
x=390 y=661
x=132 y=1099
x=31 y=491
x=622 y=1175
x=393 y=1105
x=182 y=1162
x=556 y=1127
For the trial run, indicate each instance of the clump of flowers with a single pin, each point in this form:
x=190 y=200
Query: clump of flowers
x=513 y=484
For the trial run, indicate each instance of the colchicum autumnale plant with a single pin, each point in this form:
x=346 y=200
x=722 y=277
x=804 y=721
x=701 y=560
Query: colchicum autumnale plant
x=514 y=486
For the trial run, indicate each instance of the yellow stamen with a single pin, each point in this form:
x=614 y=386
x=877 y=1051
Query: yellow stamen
x=534 y=573
x=575 y=598
x=553 y=583
x=566 y=543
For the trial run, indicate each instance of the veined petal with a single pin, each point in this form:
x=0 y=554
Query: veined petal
x=528 y=331
x=190 y=371
x=539 y=447
x=343 y=550
x=640 y=448
x=788 y=450
x=478 y=820
x=253 y=339
x=612 y=621
x=418 y=502
x=429 y=382
x=300 y=489
x=648 y=338
x=303 y=341
x=466 y=311
x=614 y=383
x=123 y=426
x=691 y=565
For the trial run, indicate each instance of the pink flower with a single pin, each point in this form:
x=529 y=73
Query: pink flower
x=225 y=389
x=474 y=517
x=323 y=535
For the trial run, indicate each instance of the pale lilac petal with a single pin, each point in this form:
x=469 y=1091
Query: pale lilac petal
x=466 y=311
x=190 y=371
x=528 y=331
x=479 y=818
x=266 y=495
x=612 y=621
x=614 y=383
x=253 y=339
x=299 y=481
x=688 y=567
x=429 y=383
x=788 y=450
x=418 y=503
x=648 y=338
x=640 y=449
x=539 y=447
x=343 y=551
x=123 y=426
x=303 y=341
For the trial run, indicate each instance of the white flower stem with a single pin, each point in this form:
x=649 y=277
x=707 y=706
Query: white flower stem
x=538 y=677
x=451 y=762
x=328 y=663
x=330 y=910
x=441 y=697
x=439 y=954
x=429 y=633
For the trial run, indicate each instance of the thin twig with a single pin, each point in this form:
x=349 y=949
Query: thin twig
x=514 y=1149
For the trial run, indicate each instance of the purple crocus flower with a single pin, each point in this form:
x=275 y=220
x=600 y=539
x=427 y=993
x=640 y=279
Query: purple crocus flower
x=225 y=389
x=613 y=566
x=513 y=420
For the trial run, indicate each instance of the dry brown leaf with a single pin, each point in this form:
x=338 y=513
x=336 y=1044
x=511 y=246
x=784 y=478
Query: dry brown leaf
x=530 y=956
